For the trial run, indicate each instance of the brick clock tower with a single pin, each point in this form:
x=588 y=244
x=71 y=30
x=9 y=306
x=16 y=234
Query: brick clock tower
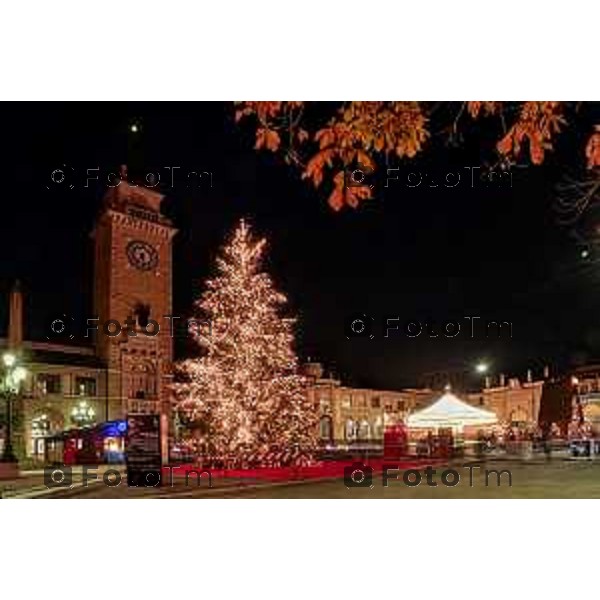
x=132 y=290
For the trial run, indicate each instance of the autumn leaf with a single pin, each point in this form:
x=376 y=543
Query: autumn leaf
x=537 y=124
x=592 y=150
x=302 y=135
x=475 y=109
x=267 y=138
x=372 y=132
x=316 y=166
x=272 y=140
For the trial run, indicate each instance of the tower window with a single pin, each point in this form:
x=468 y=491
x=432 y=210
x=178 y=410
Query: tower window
x=142 y=314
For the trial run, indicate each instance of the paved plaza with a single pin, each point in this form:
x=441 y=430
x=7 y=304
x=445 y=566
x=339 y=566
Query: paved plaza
x=532 y=479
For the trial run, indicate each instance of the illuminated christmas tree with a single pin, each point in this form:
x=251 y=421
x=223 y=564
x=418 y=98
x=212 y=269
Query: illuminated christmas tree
x=245 y=389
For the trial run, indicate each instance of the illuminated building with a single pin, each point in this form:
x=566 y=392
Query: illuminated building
x=74 y=386
x=357 y=415
x=516 y=403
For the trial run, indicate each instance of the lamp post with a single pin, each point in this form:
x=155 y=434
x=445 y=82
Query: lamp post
x=12 y=376
x=481 y=368
x=83 y=415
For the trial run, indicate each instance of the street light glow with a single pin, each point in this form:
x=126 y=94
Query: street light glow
x=9 y=359
x=11 y=383
x=83 y=414
x=19 y=374
x=481 y=368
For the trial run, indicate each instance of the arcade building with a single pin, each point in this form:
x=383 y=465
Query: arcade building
x=356 y=416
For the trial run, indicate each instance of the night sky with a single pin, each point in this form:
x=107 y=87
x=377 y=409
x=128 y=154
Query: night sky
x=428 y=254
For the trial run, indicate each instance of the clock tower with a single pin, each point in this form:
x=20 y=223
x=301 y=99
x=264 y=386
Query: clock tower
x=132 y=297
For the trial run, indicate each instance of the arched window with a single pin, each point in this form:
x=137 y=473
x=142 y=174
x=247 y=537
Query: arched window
x=378 y=428
x=350 y=430
x=325 y=428
x=142 y=314
x=364 y=430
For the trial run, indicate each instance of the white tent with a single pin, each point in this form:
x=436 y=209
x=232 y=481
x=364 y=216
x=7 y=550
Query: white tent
x=449 y=411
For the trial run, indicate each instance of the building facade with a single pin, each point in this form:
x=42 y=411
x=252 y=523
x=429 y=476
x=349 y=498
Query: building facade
x=586 y=381
x=128 y=367
x=357 y=415
x=516 y=403
x=133 y=291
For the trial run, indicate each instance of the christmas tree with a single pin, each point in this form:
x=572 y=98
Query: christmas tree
x=245 y=389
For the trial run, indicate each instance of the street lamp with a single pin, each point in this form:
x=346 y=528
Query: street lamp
x=481 y=368
x=83 y=415
x=10 y=382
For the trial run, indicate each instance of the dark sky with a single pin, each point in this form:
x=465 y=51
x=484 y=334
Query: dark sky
x=427 y=254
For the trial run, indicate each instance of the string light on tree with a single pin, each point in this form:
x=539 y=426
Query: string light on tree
x=245 y=388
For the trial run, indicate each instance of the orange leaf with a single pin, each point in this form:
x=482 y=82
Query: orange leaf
x=267 y=138
x=592 y=149
x=272 y=140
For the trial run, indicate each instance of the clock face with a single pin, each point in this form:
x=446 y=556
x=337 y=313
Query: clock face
x=142 y=256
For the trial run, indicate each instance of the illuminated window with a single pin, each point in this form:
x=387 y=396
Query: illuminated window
x=49 y=384
x=142 y=314
x=325 y=428
x=85 y=386
x=364 y=430
x=350 y=430
x=378 y=428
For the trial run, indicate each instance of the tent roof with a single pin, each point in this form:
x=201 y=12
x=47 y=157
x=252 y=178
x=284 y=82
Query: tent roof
x=450 y=411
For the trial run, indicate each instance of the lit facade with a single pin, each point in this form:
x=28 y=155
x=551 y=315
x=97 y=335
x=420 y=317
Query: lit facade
x=69 y=386
x=357 y=415
x=516 y=403
x=587 y=386
x=354 y=415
